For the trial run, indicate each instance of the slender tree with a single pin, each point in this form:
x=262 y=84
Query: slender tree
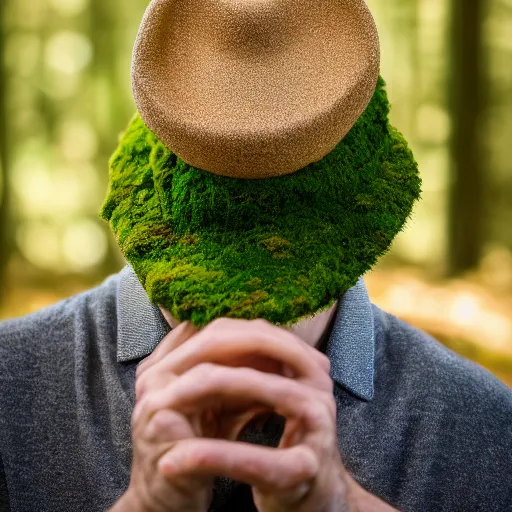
x=112 y=111
x=466 y=212
x=5 y=238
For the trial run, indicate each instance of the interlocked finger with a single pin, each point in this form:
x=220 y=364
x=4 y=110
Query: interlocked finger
x=147 y=374
x=233 y=390
x=238 y=342
x=269 y=469
x=174 y=339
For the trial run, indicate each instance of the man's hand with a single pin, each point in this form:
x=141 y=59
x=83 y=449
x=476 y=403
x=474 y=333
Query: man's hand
x=195 y=397
x=154 y=433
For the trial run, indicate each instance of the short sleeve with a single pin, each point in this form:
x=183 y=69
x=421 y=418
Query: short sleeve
x=4 y=493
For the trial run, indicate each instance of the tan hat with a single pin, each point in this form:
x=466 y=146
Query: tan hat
x=254 y=88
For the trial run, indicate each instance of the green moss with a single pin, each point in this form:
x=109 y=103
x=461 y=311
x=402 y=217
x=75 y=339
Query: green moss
x=206 y=246
x=277 y=246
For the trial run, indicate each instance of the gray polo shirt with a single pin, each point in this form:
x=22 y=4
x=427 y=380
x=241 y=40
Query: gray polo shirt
x=418 y=425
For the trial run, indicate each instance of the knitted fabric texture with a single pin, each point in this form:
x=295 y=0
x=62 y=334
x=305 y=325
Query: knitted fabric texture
x=207 y=246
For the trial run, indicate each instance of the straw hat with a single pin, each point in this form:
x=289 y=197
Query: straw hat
x=254 y=88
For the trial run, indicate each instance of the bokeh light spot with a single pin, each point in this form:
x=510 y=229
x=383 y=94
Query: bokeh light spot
x=68 y=52
x=39 y=244
x=84 y=245
x=69 y=7
x=433 y=124
x=78 y=140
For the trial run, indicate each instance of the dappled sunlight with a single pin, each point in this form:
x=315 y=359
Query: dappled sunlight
x=68 y=91
x=459 y=308
x=466 y=314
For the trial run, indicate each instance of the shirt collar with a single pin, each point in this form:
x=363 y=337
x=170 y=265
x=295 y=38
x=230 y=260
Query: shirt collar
x=351 y=345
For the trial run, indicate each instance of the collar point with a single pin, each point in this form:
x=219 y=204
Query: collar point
x=363 y=391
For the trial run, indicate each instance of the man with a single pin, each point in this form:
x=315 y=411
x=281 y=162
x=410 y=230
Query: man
x=261 y=180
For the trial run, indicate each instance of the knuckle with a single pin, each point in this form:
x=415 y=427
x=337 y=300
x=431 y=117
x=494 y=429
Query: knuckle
x=326 y=384
x=151 y=381
x=307 y=463
x=325 y=362
x=261 y=323
x=330 y=403
x=213 y=332
x=140 y=367
x=254 y=466
x=140 y=385
x=157 y=425
x=161 y=425
x=218 y=324
x=196 y=457
x=137 y=411
x=145 y=383
x=147 y=405
x=208 y=375
x=318 y=415
x=205 y=370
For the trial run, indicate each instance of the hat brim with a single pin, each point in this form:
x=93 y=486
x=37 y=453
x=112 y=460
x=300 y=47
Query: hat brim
x=207 y=246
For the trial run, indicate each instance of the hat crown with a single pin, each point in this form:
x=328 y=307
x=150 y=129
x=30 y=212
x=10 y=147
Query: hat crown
x=249 y=27
x=254 y=88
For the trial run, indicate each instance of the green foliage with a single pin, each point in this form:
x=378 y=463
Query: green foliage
x=206 y=246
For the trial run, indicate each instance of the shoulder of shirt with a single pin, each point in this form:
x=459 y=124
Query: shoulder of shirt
x=50 y=324
x=424 y=370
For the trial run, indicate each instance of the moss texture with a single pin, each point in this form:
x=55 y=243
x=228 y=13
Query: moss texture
x=206 y=246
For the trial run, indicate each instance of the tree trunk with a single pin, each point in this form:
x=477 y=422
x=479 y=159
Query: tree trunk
x=466 y=210
x=5 y=227
x=113 y=116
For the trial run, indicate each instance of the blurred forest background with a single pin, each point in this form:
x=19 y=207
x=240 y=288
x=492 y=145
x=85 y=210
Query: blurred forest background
x=65 y=97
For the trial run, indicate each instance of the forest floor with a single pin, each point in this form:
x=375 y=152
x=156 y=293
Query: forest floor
x=471 y=315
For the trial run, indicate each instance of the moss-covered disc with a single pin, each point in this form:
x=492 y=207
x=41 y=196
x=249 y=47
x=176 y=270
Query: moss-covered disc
x=206 y=246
